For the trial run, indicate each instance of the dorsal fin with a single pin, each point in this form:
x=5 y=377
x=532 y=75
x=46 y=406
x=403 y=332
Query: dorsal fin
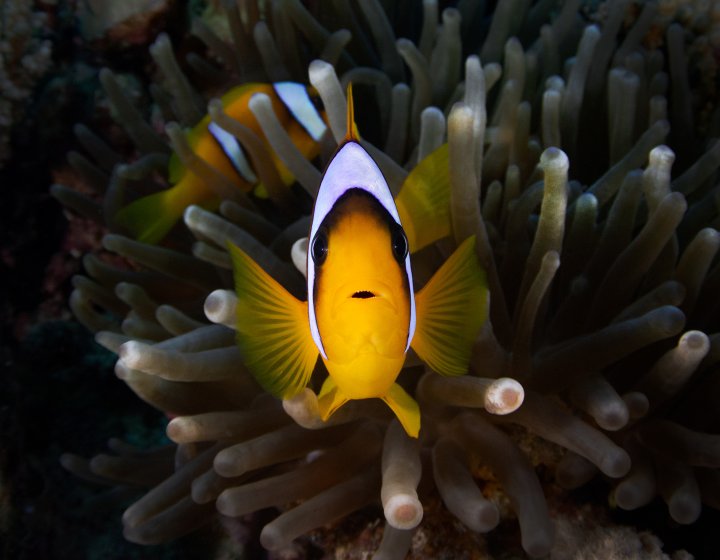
x=351 y=132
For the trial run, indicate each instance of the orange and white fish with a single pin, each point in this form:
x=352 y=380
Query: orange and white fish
x=361 y=315
x=150 y=218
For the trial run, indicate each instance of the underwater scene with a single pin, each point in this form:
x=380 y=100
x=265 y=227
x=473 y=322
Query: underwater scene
x=360 y=279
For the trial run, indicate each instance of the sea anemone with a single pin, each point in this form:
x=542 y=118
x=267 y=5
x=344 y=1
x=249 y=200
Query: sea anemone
x=600 y=355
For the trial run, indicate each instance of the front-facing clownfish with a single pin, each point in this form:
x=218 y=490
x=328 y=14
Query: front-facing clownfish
x=150 y=218
x=361 y=315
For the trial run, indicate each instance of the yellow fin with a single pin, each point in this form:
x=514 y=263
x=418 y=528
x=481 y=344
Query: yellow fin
x=330 y=399
x=176 y=169
x=424 y=200
x=451 y=309
x=150 y=218
x=402 y=404
x=273 y=331
x=260 y=191
x=405 y=408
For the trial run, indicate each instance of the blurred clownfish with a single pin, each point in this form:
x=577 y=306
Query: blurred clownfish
x=361 y=315
x=150 y=218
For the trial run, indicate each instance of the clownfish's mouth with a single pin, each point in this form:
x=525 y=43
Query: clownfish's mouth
x=363 y=294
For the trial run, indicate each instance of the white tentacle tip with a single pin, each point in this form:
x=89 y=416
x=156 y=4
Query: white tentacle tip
x=220 y=307
x=554 y=159
x=504 y=395
x=121 y=370
x=259 y=102
x=130 y=354
x=695 y=341
x=191 y=215
x=319 y=69
x=403 y=511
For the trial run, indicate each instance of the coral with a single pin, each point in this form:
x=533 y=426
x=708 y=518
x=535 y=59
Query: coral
x=587 y=534
x=24 y=59
x=123 y=23
x=600 y=357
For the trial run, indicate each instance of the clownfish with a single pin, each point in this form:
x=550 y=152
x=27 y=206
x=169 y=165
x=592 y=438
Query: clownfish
x=361 y=315
x=150 y=218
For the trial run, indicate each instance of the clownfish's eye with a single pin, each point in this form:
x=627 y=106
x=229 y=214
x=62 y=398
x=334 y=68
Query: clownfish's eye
x=319 y=249
x=399 y=243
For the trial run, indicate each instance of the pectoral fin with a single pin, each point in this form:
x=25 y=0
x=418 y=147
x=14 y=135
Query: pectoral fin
x=405 y=408
x=273 y=332
x=451 y=308
x=424 y=200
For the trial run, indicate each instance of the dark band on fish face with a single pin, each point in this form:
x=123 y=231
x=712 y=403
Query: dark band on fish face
x=320 y=245
x=342 y=206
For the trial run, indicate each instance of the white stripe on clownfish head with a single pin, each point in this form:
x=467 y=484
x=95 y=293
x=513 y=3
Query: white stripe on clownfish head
x=351 y=168
x=234 y=152
x=295 y=97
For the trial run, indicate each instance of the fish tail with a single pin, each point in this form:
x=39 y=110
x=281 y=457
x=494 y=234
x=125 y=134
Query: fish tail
x=149 y=219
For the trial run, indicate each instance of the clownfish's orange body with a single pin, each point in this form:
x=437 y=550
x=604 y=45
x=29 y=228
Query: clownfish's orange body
x=151 y=217
x=362 y=314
